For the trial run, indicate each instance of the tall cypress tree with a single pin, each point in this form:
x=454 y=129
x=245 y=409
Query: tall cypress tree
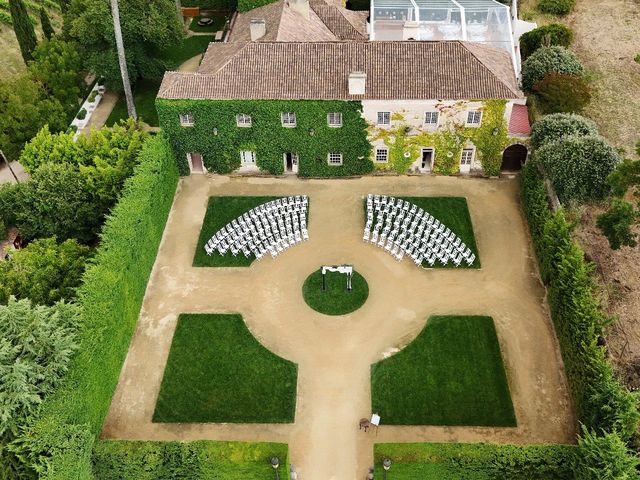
x=23 y=29
x=47 y=29
x=64 y=5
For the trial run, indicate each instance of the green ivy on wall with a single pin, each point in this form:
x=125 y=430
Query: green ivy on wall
x=490 y=139
x=312 y=139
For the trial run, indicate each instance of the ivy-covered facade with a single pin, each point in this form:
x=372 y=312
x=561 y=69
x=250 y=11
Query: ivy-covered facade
x=329 y=109
x=222 y=142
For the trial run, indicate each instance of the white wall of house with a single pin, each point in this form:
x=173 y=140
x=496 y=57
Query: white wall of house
x=412 y=113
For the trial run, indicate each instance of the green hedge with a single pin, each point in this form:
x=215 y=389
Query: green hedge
x=115 y=460
x=267 y=137
x=60 y=440
x=602 y=403
x=475 y=461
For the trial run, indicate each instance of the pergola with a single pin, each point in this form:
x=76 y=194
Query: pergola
x=481 y=21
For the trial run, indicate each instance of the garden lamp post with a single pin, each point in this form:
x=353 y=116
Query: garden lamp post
x=386 y=464
x=275 y=463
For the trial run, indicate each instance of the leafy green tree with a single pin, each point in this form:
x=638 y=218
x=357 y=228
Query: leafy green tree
x=545 y=36
x=44 y=271
x=560 y=93
x=56 y=202
x=604 y=457
x=616 y=223
x=23 y=28
x=549 y=59
x=45 y=23
x=26 y=108
x=555 y=126
x=57 y=66
x=105 y=158
x=36 y=345
x=148 y=28
x=578 y=167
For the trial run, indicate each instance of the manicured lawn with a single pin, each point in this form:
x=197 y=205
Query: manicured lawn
x=475 y=461
x=454 y=213
x=218 y=24
x=220 y=211
x=218 y=372
x=144 y=96
x=188 y=48
x=336 y=300
x=451 y=374
x=124 y=460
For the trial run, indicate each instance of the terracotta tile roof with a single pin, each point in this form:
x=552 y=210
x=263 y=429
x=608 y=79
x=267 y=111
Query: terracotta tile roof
x=336 y=21
x=519 y=121
x=283 y=25
x=450 y=70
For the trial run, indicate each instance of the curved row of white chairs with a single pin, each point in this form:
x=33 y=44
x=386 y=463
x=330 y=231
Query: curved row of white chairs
x=271 y=227
x=404 y=229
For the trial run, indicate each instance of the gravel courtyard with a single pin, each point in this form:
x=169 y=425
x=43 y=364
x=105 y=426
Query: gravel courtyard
x=334 y=354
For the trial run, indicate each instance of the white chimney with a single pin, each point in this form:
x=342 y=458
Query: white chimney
x=258 y=28
x=300 y=6
x=357 y=83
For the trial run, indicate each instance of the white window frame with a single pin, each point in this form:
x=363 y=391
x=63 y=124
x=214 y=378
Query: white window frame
x=243 y=120
x=334 y=119
x=431 y=114
x=288 y=119
x=462 y=156
x=472 y=115
x=380 y=150
x=187 y=120
x=334 y=155
x=242 y=158
x=384 y=118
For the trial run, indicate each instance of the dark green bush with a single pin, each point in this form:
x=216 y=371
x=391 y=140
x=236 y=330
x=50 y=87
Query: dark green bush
x=578 y=167
x=604 y=457
x=44 y=271
x=556 y=7
x=616 y=224
x=549 y=59
x=545 y=36
x=602 y=403
x=558 y=125
x=82 y=114
x=560 y=93
x=92 y=96
x=267 y=137
x=60 y=439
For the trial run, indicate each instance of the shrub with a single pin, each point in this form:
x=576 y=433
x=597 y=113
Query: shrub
x=44 y=271
x=558 y=125
x=545 y=36
x=556 y=7
x=59 y=441
x=578 y=167
x=92 y=96
x=82 y=114
x=602 y=403
x=115 y=460
x=549 y=59
x=37 y=344
x=3 y=230
x=604 y=457
x=616 y=223
x=559 y=93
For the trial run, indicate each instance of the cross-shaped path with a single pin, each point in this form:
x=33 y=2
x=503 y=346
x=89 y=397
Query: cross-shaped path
x=334 y=354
